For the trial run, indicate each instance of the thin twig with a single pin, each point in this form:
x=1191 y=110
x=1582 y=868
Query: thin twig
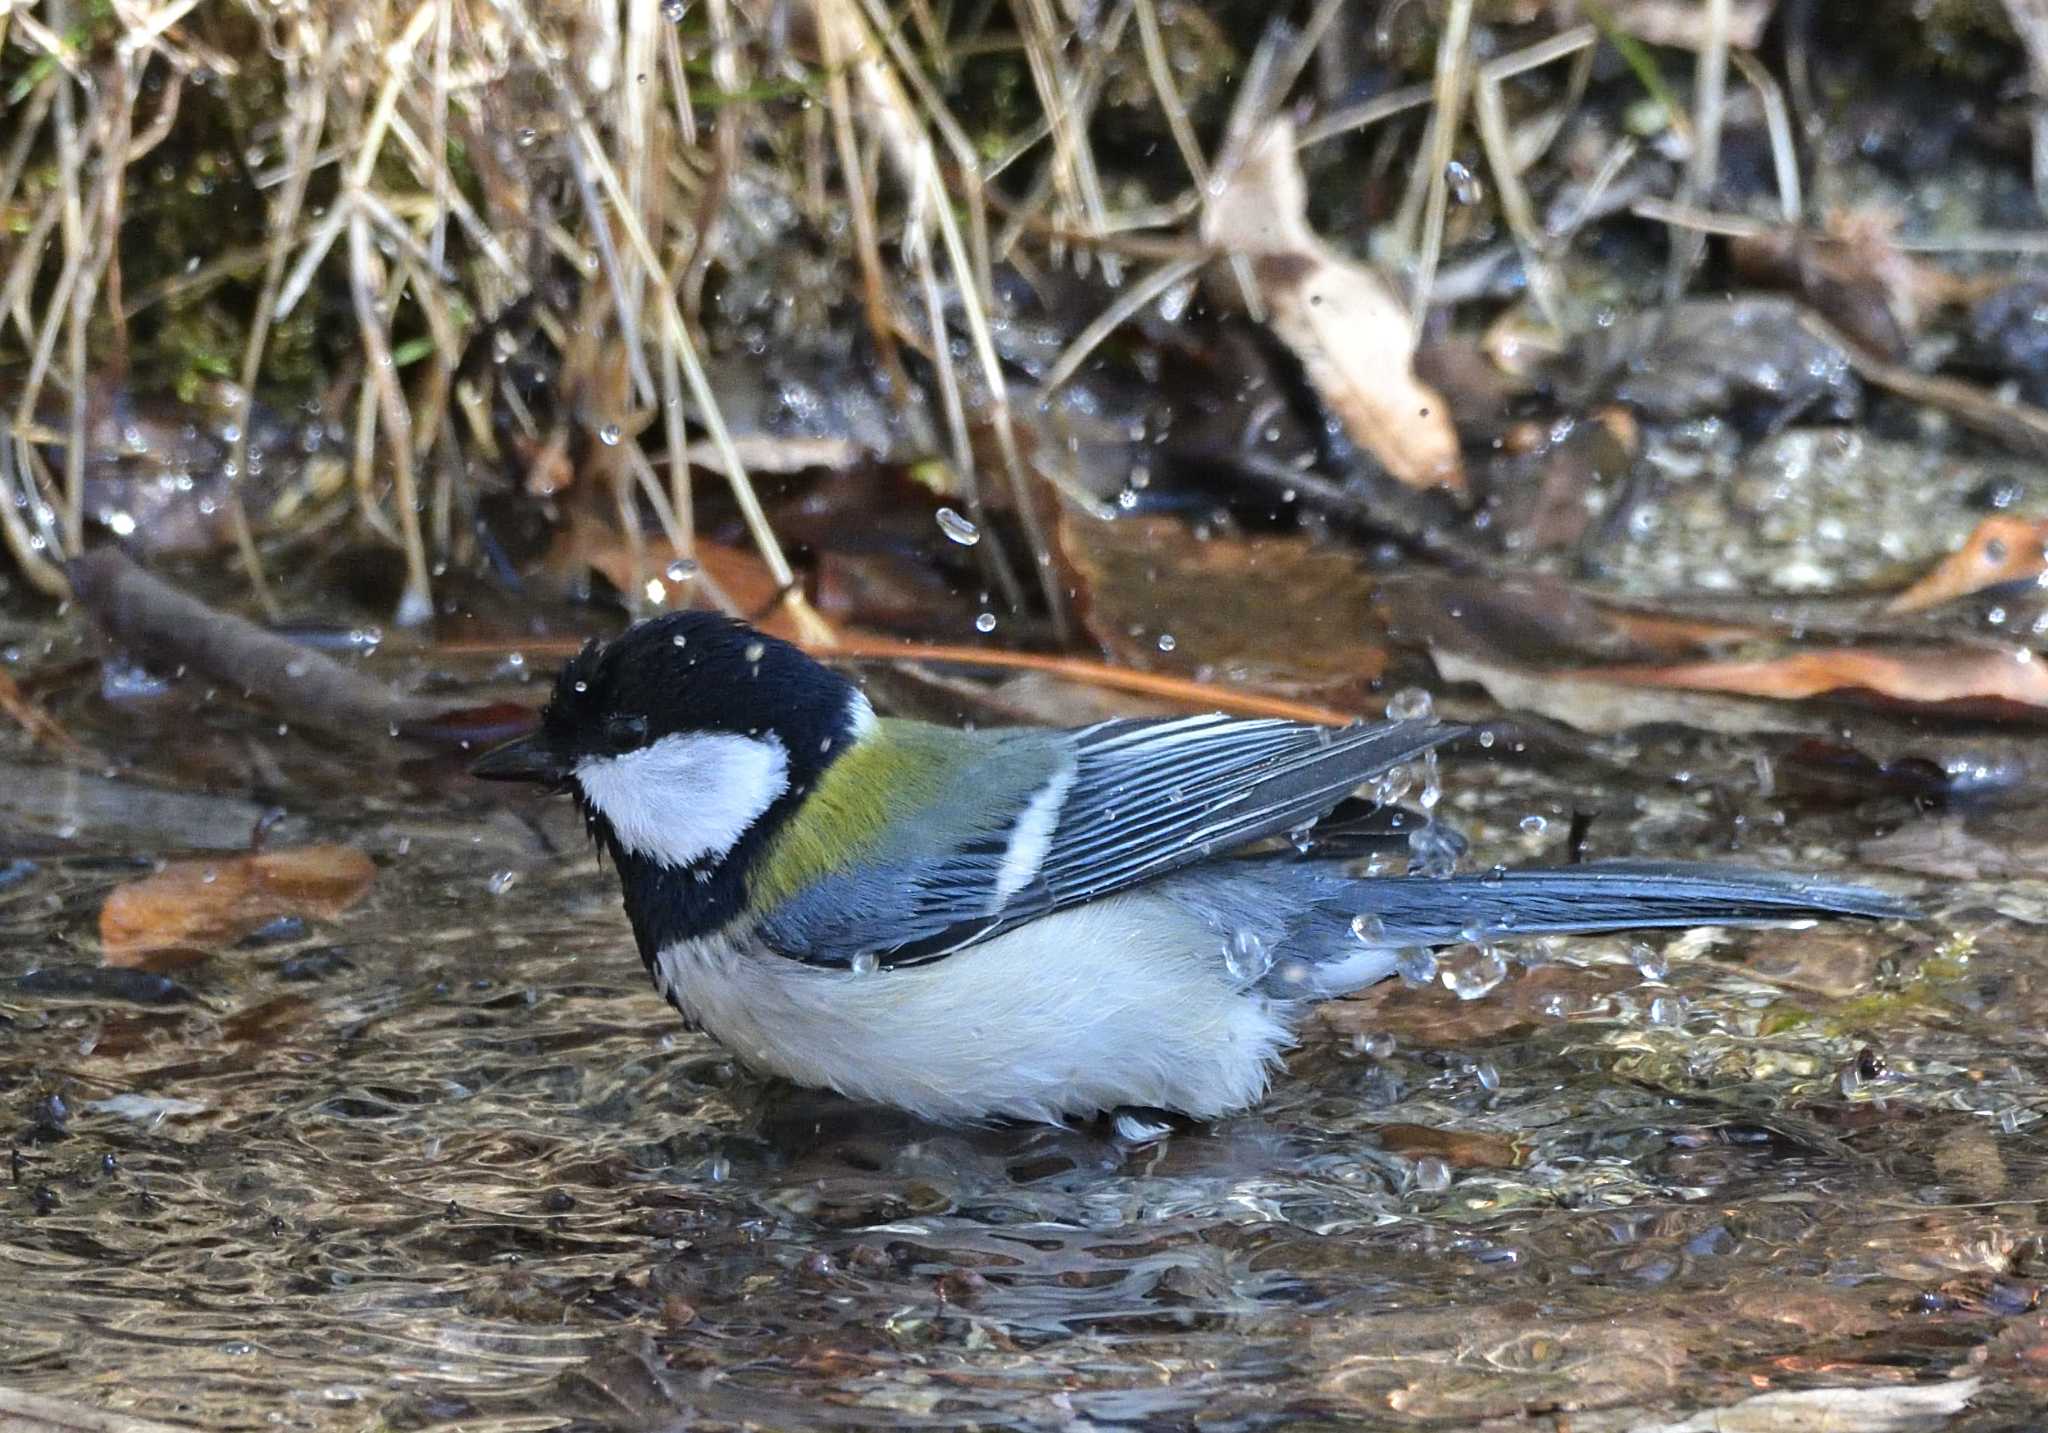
x=1128 y=304
x=1704 y=168
x=1778 y=123
x=1451 y=71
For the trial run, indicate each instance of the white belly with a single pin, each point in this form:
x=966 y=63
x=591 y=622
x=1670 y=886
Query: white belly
x=1122 y=1001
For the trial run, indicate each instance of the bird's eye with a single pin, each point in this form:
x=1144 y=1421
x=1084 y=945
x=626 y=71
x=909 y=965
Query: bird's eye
x=624 y=733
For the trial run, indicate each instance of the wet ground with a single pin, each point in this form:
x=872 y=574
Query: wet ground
x=445 y=1159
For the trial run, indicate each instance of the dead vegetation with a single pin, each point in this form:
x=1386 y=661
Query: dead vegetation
x=716 y=301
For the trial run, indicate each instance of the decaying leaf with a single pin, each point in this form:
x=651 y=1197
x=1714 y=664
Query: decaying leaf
x=1580 y=700
x=204 y=903
x=1537 y=645
x=1988 y=681
x=714 y=575
x=1341 y=319
x=1854 y=274
x=2001 y=550
x=1459 y=1148
x=1160 y=598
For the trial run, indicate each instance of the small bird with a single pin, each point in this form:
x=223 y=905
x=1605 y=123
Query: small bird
x=1024 y=923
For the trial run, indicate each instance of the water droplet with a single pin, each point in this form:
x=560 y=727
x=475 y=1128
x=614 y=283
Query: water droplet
x=1487 y=1075
x=719 y=1170
x=1410 y=704
x=1166 y=642
x=1481 y=977
x=958 y=528
x=1668 y=1010
x=609 y=435
x=986 y=622
x=1466 y=187
x=1533 y=825
x=1369 y=928
x=1416 y=965
x=1245 y=956
x=683 y=569
x=865 y=963
x=1494 y=876
x=1432 y=1175
x=754 y=652
x=1433 y=849
x=1432 y=784
x=1377 y=1044
x=501 y=882
x=674 y=10
x=1650 y=962
x=582 y=687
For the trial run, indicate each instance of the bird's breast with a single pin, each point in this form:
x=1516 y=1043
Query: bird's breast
x=1117 y=1002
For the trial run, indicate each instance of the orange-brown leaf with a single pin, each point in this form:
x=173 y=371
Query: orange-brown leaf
x=1459 y=1148
x=1162 y=599
x=207 y=903
x=1342 y=319
x=1919 y=677
x=2001 y=550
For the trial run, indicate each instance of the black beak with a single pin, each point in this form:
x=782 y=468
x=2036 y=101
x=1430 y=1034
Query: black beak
x=527 y=759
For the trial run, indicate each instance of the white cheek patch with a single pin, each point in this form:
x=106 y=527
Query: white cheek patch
x=686 y=796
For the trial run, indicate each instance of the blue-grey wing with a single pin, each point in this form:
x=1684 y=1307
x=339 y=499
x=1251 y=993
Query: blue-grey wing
x=1151 y=796
x=1104 y=808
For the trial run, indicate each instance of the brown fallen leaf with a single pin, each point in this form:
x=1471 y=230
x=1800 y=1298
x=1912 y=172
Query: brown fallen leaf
x=1585 y=703
x=1340 y=318
x=1459 y=1148
x=1162 y=599
x=206 y=903
x=2002 y=549
x=1527 y=618
x=1542 y=646
x=716 y=575
x=1969 y=681
x=1854 y=274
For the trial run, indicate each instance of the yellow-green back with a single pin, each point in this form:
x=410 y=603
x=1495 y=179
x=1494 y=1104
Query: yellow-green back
x=884 y=781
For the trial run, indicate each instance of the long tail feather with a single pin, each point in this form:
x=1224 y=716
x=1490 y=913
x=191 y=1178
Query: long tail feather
x=1607 y=895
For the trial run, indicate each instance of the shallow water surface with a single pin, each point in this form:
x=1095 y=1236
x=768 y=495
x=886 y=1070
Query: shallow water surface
x=445 y=1159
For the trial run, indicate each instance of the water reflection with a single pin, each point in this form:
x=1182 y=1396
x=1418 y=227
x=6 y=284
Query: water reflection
x=446 y=1158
